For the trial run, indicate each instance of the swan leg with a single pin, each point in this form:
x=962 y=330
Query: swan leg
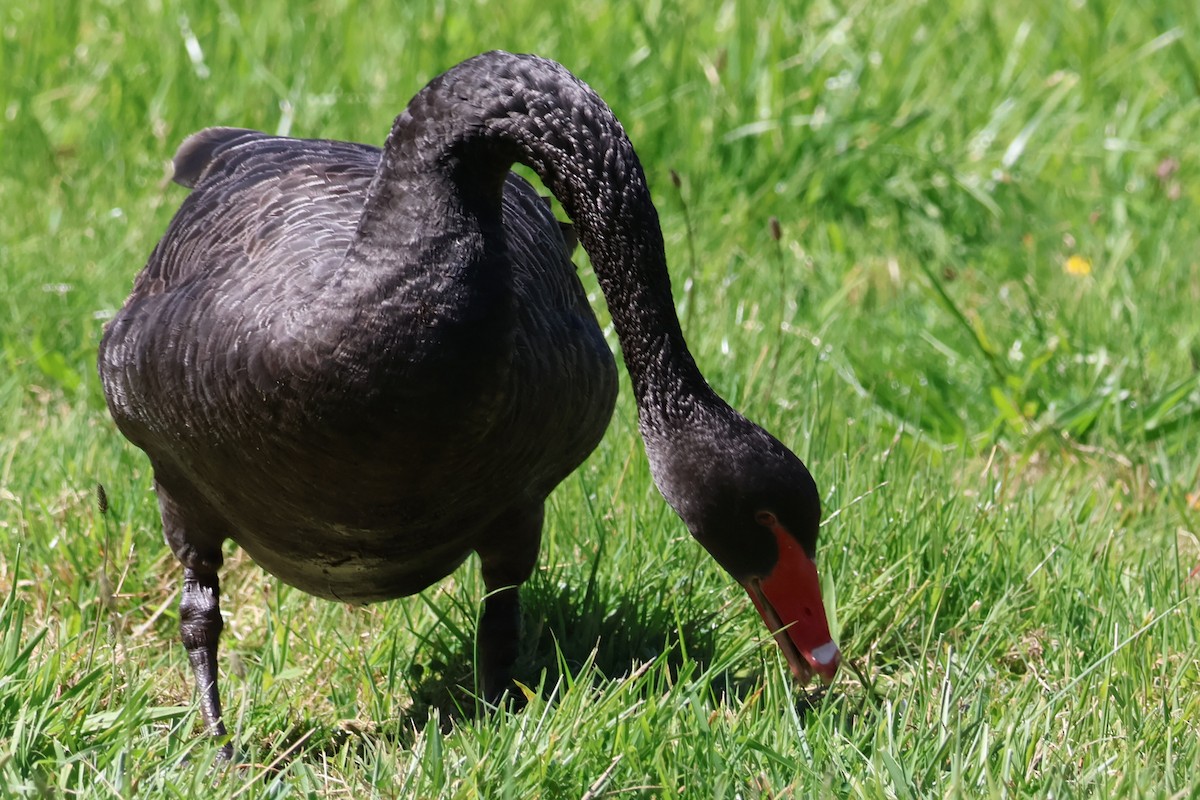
x=200 y=628
x=508 y=557
x=200 y=623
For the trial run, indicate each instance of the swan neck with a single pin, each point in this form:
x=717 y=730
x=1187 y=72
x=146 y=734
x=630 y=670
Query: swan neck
x=468 y=126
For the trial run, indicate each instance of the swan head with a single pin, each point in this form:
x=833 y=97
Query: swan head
x=754 y=506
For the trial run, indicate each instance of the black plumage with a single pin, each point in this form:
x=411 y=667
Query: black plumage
x=362 y=365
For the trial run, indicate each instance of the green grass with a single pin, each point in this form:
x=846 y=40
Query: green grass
x=1007 y=451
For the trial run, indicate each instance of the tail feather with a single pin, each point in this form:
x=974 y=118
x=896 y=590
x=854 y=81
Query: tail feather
x=198 y=151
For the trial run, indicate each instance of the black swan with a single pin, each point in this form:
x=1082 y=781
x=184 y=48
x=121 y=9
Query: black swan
x=361 y=365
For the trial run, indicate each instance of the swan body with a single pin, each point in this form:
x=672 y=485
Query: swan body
x=409 y=410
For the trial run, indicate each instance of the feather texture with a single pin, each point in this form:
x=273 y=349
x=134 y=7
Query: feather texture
x=356 y=451
x=363 y=364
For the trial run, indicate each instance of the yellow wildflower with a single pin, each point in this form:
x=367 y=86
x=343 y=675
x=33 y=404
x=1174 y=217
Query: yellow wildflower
x=1077 y=265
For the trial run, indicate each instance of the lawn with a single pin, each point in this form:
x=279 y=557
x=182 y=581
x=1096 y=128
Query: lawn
x=948 y=252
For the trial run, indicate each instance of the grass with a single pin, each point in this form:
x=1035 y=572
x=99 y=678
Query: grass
x=977 y=325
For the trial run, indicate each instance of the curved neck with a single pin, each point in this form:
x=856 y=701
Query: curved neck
x=454 y=145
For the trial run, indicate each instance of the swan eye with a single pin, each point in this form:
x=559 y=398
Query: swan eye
x=766 y=519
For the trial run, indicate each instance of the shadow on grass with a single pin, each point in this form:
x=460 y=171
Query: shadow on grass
x=571 y=634
x=566 y=627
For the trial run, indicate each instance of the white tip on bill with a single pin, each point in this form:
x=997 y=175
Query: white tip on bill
x=826 y=654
